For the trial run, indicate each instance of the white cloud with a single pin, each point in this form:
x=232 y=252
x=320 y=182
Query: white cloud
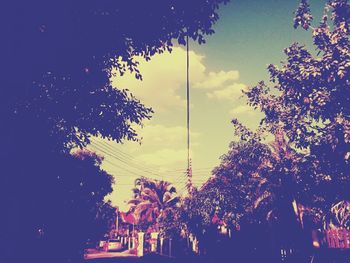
x=242 y=110
x=164 y=78
x=216 y=80
x=162 y=147
x=247 y=115
x=166 y=136
x=232 y=92
x=165 y=157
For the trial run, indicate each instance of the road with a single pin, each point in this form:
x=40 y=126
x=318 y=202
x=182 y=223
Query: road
x=96 y=256
x=92 y=254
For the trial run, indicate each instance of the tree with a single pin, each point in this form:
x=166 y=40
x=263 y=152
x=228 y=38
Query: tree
x=239 y=170
x=152 y=200
x=268 y=189
x=70 y=52
x=61 y=206
x=310 y=100
x=56 y=94
x=226 y=201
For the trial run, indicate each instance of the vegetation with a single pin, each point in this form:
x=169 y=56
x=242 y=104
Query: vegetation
x=153 y=199
x=310 y=101
x=299 y=181
x=56 y=94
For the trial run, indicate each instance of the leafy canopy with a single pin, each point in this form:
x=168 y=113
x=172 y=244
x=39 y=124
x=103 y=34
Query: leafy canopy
x=310 y=96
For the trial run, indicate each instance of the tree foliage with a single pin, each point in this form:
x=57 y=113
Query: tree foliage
x=58 y=58
x=339 y=216
x=301 y=178
x=153 y=199
x=310 y=99
x=67 y=52
x=62 y=206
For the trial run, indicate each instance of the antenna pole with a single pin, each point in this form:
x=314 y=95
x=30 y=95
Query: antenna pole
x=188 y=101
x=189 y=168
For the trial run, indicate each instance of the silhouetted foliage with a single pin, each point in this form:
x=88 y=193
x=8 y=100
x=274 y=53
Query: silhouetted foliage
x=310 y=100
x=58 y=57
x=67 y=52
x=296 y=178
x=60 y=207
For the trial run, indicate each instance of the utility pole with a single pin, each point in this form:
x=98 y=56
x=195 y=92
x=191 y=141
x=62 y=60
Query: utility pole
x=189 y=178
x=117 y=220
x=189 y=168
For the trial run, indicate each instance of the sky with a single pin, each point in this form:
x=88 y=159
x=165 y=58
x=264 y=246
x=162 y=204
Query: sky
x=250 y=34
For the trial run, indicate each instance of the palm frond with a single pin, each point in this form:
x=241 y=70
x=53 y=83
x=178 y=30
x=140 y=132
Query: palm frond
x=261 y=198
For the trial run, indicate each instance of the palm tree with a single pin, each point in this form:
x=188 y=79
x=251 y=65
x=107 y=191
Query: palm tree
x=152 y=199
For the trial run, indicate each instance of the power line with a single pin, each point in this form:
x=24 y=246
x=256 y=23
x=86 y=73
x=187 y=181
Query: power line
x=131 y=158
x=176 y=180
x=128 y=156
x=127 y=160
x=105 y=148
x=119 y=166
x=135 y=169
x=110 y=154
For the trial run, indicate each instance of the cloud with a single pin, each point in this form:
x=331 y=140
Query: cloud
x=164 y=78
x=161 y=146
x=166 y=136
x=216 y=80
x=232 y=92
x=165 y=157
x=242 y=110
x=247 y=115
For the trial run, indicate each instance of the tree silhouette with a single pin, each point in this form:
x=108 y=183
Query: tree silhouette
x=57 y=61
x=68 y=52
x=312 y=100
